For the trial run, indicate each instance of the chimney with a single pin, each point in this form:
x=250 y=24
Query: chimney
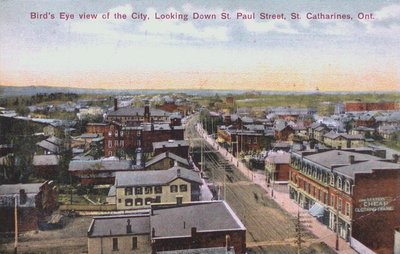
x=22 y=197
x=178 y=172
x=351 y=159
x=184 y=224
x=153 y=232
x=395 y=158
x=129 y=227
x=193 y=231
x=146 y=111
x=115 y=104
x=227 y=242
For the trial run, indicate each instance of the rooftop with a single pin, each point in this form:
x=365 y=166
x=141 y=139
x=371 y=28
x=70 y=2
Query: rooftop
x=116 y=225
x=177 y=221
x=131 y=111
x=155 y=177
x=366 y=167
x=164 y=155
x=45 y=160
x=339 y=157
x=170 y=143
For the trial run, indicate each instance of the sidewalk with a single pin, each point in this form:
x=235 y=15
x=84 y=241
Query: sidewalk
x=322 y=232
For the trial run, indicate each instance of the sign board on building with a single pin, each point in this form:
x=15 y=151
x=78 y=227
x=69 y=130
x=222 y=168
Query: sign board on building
x=374 y=204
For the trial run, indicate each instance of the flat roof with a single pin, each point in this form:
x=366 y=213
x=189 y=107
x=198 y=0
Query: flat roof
x=116 y=225
x=177 y=221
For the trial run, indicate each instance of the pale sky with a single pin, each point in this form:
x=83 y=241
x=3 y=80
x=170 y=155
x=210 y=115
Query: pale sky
x=333 y=55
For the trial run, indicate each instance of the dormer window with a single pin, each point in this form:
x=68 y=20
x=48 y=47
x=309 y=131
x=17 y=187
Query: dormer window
x=332 y=179
x=347 y=187
x=339 y=183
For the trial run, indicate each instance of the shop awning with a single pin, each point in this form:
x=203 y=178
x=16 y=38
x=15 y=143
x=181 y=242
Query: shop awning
x=317 y=210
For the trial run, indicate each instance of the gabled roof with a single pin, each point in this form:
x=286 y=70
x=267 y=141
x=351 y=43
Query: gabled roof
x=170 y=143
x=49 y=146
x=164 y=155
x=45 y=160
x=155 y=177
x=102 y=165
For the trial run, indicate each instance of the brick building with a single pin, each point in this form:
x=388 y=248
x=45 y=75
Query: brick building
x=34 y=202
x=178 y=147
x=369 y=106
x=122 y=138
x=348 y=185
x=277 y=167
x=194 y=226
x=119 y=234
x=174 y=228
x=135 y=116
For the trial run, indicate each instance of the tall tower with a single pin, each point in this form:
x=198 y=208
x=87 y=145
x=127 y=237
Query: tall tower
x=147 y=111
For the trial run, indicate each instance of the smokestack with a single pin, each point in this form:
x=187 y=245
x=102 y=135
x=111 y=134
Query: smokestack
x=115 y=104
x=146 y=111
x=351 y=159
x=193 y=231
x=22 y=197
x=129 y=227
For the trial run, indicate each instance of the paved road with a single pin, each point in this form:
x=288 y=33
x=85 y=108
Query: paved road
x=281 y=197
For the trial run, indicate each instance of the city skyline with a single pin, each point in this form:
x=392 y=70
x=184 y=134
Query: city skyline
x=235 y=54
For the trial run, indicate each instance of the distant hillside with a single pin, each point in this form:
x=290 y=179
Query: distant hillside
x=8 y=91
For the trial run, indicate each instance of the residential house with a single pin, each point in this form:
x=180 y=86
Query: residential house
x=343 y=140
x=46 y=166
x=139 y=189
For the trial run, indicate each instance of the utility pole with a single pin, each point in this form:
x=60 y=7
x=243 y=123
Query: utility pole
x=224 y=183
x=16 y=223
x=337 y=226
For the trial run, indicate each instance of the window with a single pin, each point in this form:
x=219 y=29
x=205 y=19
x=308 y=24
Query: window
x=339 y=204
x=122 y=143
x=138 y=202
x=183 y=187
x=157 y=199
x=122 y=133
x=339 y=183
x=134 y=243
x=115 y=244
x=158 y=189
x=174 y=188
x=138 y=190
x=347 y=187
x=128 y=202
x=320 y=195
x=128 y=191
x=119 y=200
x=109 y=143
x=332 y=200
x=148 y=201
x=179 y=200
x=110 y=153
x=332 y=179
x=109 y=133
x=148 y=190
x=116 y=133
x=347 y=209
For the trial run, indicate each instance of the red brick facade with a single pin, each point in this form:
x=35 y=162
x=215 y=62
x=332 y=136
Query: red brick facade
x=371 y=106
x=237 y=239
x=376 y=228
